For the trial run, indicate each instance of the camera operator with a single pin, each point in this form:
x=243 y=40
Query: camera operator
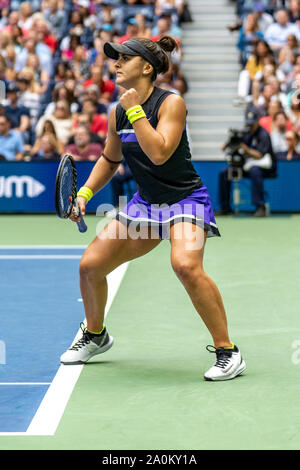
x=250 y=155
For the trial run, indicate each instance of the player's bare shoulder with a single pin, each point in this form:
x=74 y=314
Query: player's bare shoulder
x=173 y=106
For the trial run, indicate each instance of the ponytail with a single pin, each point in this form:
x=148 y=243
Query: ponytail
x=161 y=49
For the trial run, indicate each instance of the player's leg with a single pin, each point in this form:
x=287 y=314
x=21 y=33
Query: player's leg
x=187 y=251
x=111 y=248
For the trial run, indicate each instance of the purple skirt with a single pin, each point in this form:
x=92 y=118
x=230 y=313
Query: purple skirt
x=195 y=208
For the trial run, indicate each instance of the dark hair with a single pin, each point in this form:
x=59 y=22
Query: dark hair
x=6 y=117
x=160 y=49
x=269 y=50
x=278 y=113
x=90 y=100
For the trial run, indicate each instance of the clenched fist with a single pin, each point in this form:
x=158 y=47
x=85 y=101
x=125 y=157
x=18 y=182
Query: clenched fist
x=129 y=99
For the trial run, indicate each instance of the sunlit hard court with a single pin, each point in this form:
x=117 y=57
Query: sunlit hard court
x=148 y=390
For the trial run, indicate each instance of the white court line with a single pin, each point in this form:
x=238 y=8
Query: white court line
x=25 y=383
x=42 y=247
x=51 y=409
x=40 y=256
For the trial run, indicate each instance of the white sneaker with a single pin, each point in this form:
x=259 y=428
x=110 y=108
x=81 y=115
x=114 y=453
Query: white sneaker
x=87 y=347
x=229 y=364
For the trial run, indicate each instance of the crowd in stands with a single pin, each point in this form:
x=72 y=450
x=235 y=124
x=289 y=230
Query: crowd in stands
x=269 y=53
x=59 y=85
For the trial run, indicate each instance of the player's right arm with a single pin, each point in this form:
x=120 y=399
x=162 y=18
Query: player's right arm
x=104 y=170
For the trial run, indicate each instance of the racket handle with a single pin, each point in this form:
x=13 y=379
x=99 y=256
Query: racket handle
x=82 y=227
x=81 y=224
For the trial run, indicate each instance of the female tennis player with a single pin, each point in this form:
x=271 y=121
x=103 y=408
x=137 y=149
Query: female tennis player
x=148 y=128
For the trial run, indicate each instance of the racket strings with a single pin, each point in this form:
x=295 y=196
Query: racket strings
x=67 y=189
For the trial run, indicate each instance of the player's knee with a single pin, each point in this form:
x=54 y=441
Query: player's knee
x=88 y=269
x=188 y=270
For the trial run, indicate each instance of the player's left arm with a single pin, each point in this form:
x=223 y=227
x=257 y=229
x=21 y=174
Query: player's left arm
x=160 y=143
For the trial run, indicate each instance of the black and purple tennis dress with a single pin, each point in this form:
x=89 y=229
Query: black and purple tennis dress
x=168 y=193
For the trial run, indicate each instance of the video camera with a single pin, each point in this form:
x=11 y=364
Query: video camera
x=235 y=156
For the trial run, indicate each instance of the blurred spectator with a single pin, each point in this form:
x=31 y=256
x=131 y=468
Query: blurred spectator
x=41 y=76
x=263 y=99
x=33 y=45
x=11 y=143
x=43 y=33
x=47 y=149
x=55 y=17
x=5 y=40
x=4 y=12
x=10 y=56
x=83 y=149
x=17 y=37
x=293 y=112
x=88 y=17
x=255 y=63
x=293 y=85
x=67 y=53
x=110 y=13
x=144 y=31
x=3 y=70
x=48 y=128
x=62 y=120
x=165 y=26
x=280 y=125
x=25 y=17
x=79 y=64
x=264 y=19
x=99 y=122
x=106 y=87
x=79 y=29
x=132 y=30
x=18 y=115
x=92 y=92
x=52 y=51
x=288 y=54
x=62 y=72
x=162 y=6
x=294 y=11
x=13 y=20
x=61 y=92
x=278 y=95
x=267 y=121
x=30 y=93
x=277 y=33
x=291 y=153
x=248 y=35
x=86 y=120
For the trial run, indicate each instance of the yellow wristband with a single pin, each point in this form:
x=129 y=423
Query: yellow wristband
x=85 y=192
x=135 y=113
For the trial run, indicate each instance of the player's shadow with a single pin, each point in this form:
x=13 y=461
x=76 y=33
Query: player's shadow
x=156 y=373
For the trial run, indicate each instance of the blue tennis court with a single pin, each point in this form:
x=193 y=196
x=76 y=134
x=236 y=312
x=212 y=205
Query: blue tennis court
x=40 y=308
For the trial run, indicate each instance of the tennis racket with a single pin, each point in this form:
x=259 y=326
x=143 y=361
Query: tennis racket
x=66 y=191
